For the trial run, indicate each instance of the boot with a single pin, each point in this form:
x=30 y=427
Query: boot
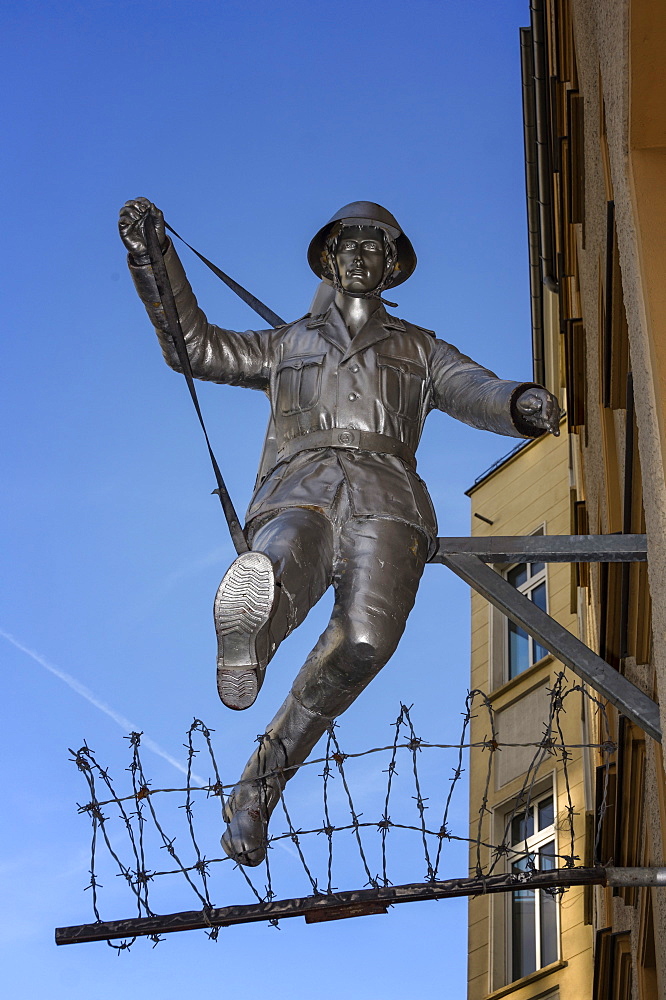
x=288 y=740
x=242 y=612
x=248 y=809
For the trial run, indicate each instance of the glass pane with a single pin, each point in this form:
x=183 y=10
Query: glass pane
x=546 y=813
x=522 y=827
x=518 y=575
x=519 y=651
x=536 y=568
x=523 y=929
x=548 y=905
x=547 y=859
x=538 y=595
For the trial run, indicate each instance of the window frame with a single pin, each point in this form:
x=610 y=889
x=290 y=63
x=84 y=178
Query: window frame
x=526 y=588
x=498 y=625
x=500 y=928
x=532 y=844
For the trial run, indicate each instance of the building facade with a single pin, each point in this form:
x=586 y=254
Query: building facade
x=594 y=86
x=526 y=944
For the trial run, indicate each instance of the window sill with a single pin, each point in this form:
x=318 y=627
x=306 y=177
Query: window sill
x=533 y=977
x=526 y=675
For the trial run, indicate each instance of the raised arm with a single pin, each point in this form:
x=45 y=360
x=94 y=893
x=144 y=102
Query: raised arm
x=475 y=395
x=216 y=355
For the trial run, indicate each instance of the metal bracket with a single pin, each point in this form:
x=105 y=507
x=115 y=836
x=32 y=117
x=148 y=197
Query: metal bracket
x=467 y=557
x=547 y=548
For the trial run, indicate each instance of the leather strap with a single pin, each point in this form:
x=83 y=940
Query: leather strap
x=173 y=321
x=346 y=438
x=252 y=300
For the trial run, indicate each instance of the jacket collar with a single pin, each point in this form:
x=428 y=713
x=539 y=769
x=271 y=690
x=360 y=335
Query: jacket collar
x=332 y=328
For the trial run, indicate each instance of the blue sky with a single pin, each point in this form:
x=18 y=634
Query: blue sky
x=249 y=123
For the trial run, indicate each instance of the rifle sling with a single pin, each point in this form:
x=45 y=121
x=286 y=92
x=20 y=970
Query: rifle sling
x=252 y=300
x=175 y=329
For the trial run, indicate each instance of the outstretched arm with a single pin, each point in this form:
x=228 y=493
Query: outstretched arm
x=475 y=395
x=215 y=354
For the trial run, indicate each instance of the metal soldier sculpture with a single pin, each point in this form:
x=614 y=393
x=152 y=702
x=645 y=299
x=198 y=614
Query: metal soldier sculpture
x=337 y=500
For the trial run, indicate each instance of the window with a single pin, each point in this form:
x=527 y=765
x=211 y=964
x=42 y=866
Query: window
x=533 y=936
x=512 y=650
x=521 y=649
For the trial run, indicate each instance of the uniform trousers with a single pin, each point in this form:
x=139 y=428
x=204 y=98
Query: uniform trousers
x=374 y=565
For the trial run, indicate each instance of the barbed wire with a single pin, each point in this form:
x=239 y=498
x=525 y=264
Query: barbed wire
x=138 y=819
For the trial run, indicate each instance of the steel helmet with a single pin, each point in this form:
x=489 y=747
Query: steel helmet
x=364 y=213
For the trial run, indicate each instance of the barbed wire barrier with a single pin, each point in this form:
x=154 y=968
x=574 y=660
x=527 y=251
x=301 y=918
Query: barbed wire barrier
x=320 y=839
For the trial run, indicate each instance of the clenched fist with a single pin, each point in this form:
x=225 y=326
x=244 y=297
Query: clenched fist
x=540 y=409
x=131 y=226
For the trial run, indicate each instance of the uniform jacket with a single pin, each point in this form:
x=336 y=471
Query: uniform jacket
x=384 y=381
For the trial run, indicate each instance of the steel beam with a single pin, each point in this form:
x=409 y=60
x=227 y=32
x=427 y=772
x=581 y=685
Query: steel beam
x=636 y=877
x=316 y=907
x=354 y=903
x=626 y=697
x=547 y=548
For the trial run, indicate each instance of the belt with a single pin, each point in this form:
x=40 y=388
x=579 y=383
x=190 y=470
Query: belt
x=345 y=437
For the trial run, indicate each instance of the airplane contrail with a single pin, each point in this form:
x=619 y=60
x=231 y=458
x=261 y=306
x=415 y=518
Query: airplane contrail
x=89 y=696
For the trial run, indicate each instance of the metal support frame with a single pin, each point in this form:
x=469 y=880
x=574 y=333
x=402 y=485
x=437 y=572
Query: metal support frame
x=467 y=558
x=339 y=905
x=546 y=548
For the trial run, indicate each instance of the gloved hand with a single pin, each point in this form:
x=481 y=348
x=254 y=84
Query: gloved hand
x=540 y=409
x=131 y=227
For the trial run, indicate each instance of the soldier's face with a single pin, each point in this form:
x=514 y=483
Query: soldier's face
x=360 y=258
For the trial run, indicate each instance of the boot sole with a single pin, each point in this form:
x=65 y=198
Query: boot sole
x=242 y=611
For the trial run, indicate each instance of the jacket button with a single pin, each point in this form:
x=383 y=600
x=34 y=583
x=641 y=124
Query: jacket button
x=352 y=396
x=354 y=369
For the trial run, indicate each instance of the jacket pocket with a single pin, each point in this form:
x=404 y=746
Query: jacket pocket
x=401 y=385
x=299 y=383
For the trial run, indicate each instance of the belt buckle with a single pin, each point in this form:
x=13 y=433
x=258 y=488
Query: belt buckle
x=348 y=438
